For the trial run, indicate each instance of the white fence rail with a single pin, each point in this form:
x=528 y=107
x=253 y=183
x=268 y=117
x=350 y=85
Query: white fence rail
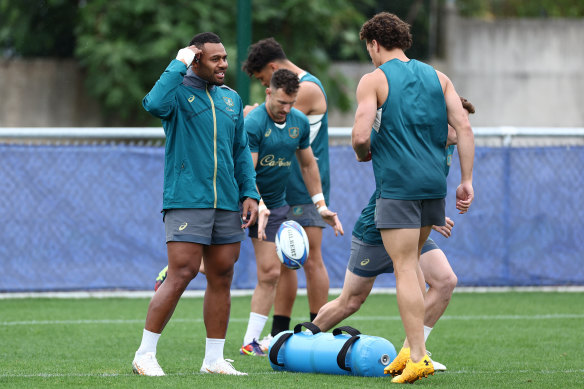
x=505 y=133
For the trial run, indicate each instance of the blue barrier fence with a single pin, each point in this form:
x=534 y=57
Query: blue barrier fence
x=88 y=217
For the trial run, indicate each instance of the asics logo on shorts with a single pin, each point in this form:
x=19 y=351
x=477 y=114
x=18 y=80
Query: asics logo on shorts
x=365 y=261
x=183 y=226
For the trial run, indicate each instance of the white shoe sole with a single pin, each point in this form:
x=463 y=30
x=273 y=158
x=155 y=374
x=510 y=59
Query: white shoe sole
x=438 y=366
x=138 y=371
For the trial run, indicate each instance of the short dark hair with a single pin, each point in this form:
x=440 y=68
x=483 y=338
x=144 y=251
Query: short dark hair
x=467 y=105
x=261 y=53
x=388 y=30
x=285 y=79
x=205 y=37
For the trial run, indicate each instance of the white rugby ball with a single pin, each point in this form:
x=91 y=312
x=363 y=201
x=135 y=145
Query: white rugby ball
x=292 y=244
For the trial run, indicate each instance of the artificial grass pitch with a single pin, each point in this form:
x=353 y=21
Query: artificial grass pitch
x=486 y=340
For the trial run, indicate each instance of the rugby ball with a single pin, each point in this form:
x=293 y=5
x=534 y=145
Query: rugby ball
x=292 y=244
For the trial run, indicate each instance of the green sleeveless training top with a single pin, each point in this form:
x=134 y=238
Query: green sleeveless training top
x=408 y=141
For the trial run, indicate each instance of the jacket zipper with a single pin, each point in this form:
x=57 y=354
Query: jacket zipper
x=214 y=147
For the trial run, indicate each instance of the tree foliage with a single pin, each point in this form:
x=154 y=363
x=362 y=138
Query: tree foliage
x=124 y=45
x=37 y=28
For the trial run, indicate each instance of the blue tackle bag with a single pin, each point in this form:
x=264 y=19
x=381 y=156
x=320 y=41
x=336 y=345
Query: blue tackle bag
x=330 y=353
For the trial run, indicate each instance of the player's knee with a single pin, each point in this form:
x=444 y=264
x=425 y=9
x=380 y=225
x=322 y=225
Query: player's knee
x=447 y=284
x=186 y=273
x=222 y=272
x=269 y=277
x=313 y=263
x=353 y=304
x=451 y=281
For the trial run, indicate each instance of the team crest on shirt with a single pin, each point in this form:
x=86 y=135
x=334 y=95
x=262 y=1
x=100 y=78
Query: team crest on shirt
x=268 y=132
x=297 y=211
x=293 y=132
x=228 y=101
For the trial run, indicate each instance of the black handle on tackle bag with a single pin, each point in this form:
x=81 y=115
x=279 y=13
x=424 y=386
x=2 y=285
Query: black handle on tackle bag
x=273 y=355
x=342 y=356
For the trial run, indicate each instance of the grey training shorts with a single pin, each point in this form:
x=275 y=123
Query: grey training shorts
x=277 y=217
x=306 y=215
x=203 y=225
x=391 y=213
x=368 y=260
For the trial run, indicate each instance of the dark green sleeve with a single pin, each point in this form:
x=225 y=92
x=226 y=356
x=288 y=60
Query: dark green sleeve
x=244 y=172
x=160 y=101
x=251 y=128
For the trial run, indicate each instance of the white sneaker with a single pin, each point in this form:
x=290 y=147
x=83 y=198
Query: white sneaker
x=146 y=364
x=437 y=365
x=265 y=342
x=220 y=366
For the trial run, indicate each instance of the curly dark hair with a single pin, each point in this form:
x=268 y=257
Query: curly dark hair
x=467 y=105
x=261 y=53
x=205 y=37
x=285 y=79
x=388 y=30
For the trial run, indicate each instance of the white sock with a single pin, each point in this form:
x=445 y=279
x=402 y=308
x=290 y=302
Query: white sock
x=149 y=342
x=427 y=331
x=213 y=350
x=255 y=326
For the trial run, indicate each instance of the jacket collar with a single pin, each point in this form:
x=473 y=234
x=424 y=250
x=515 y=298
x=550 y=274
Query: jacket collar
x=191 y=79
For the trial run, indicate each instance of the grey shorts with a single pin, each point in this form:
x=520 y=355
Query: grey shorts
x=390 y=213
x=204 y=226
x=277 y=217
x=306 y=215
x=368 y=260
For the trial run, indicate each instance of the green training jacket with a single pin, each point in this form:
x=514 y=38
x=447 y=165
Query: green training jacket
x=207 y=159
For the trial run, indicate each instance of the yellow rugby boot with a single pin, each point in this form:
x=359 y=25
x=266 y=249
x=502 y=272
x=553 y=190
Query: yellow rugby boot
x=415 y=371
x=399 y=363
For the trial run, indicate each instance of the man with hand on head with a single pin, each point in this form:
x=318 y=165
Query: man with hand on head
x=208 y=172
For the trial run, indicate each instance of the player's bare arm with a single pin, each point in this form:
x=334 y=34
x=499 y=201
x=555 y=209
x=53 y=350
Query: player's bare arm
x=458 y=119
x=248 y=108
x=311 y=176
x=365 y=115
x=310 y=99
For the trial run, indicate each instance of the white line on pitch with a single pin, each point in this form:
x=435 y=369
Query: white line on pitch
x=244 y=320
x=106 y=375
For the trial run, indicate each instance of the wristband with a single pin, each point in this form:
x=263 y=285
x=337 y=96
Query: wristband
x=317 y=197
x=321 y=209
x=186 y=55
